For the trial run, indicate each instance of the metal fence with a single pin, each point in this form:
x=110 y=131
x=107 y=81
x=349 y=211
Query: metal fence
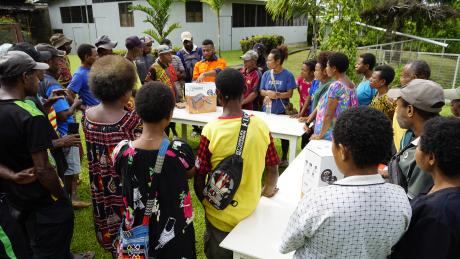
x=445 y=67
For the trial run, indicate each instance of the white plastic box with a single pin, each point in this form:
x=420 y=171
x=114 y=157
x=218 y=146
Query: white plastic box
x=320 y=168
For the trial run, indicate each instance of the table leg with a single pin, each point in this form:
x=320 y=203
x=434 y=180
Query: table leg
x=184 y=132
x=292 y=148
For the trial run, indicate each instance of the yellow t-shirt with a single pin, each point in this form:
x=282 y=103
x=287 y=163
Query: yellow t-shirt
x=398 y=132
x=222 y=135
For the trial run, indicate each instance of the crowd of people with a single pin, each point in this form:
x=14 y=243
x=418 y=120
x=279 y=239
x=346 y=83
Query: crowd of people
x=399 y=198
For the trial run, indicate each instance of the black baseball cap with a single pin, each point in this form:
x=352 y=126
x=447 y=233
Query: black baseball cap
x=133 y=42
x=29 y=49
x=14 y=63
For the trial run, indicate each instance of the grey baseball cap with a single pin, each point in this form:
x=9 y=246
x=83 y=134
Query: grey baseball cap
x=15 y=63
x=425 y=95
x=452 y=94
x=164 y=49
x=51 y=49
x=105 y=42
x=250 y=55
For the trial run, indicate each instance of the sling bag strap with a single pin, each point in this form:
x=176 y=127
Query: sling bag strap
x=242 y=135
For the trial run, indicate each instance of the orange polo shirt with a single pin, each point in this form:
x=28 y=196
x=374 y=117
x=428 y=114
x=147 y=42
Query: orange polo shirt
x=205 y=66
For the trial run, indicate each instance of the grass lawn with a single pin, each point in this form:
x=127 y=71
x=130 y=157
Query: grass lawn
x=84 y=238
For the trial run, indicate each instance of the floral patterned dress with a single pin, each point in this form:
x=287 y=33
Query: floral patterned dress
x=171 y=232
x=347 y=99
x=101 y=139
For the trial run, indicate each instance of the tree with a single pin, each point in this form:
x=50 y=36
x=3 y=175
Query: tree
x=216 y=6
x=158 y=15
x=339 y=29
x=288 y=9
x=393 y=14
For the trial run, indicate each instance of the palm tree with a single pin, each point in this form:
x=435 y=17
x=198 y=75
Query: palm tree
x=158 y=15
x=216 y=6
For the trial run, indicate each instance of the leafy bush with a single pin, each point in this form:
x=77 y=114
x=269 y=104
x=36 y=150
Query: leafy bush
x=269 y=41
x=120 y=52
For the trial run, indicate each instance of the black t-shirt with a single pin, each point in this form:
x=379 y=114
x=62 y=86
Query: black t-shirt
x=170 y=190
x=434 y=230
x=24 y=131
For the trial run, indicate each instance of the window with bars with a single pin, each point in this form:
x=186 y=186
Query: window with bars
x=126 y=15
x=76 y=14
x=253 y=15
x=193 y=11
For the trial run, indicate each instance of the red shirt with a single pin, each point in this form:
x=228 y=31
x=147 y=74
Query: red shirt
x=251 y=81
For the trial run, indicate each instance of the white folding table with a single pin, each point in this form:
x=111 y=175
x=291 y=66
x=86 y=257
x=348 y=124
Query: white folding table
x=259 y=235
x=281 y=126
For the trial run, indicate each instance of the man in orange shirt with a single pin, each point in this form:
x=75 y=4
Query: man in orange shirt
x=207 y=69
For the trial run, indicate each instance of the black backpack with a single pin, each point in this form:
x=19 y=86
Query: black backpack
x=224 y=181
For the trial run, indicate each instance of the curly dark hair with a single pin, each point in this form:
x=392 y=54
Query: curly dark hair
x=441 y=137
x=387 y=73
x=207 y=42
x=322 y=58
x=154 y=102
x=339 y=60
x=366 y=133
x=369 y=59
x=310 y=64
x=230 y=83
x=111 y=77
x=85 y=50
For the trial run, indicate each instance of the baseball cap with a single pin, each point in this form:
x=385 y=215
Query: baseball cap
x=186 y=35
x=163 y=49
x=146 y=39
x=452 y=94
x=58 y=40
x=423 y=94
x=16 y=62
x=105 y=42
x=29 y=49
x=133 y=42
x=49 y=48
x=250 y=55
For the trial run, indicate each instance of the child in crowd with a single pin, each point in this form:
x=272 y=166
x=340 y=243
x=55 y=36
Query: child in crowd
x=144 y=182
x=381 y=79
x=434 y=230
x=359 y=216
x=304 y=82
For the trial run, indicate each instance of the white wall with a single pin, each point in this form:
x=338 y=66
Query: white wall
x=107 y=22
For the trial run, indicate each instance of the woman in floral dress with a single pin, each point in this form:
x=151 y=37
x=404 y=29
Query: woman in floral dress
x=340 y=97
x=111 y=80
x=170 y=224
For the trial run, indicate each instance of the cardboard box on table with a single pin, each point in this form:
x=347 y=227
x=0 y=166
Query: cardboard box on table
x=200 y=97
x=320 y=168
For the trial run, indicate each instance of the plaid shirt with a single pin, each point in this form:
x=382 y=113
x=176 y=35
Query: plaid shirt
x=203 y=158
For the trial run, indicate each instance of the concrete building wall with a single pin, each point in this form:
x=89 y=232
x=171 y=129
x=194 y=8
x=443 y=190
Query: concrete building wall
x=107 y=22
